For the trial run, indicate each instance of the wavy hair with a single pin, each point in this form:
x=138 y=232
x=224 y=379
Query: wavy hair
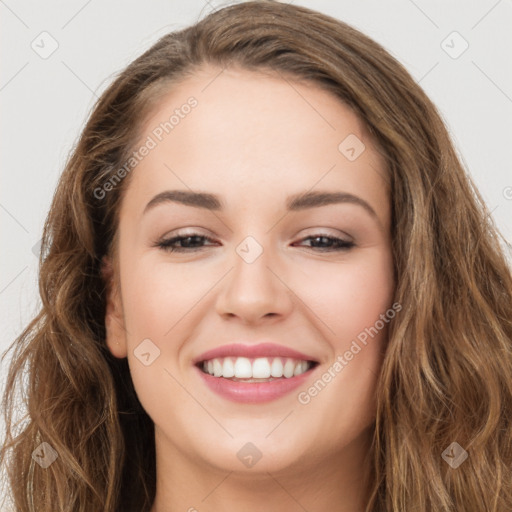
x=447 y=371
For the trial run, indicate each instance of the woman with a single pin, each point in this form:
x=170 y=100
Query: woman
x=266 y=281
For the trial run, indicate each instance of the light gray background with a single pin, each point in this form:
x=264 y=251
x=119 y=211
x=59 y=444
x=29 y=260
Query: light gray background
x=45 y=102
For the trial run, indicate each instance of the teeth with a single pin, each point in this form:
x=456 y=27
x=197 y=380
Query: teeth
x=289 y=368
x=259 y=368
x=228 y=368
x=276 y=369
x=300 y=368
x=217 y=368
x=243 y=368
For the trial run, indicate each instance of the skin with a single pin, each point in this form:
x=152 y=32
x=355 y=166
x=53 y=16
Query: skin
x=254 y=139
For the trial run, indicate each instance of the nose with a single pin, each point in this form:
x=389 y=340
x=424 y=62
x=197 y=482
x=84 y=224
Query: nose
x=254 y=291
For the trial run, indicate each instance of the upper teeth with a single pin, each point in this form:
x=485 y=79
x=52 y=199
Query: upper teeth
x=260 y=368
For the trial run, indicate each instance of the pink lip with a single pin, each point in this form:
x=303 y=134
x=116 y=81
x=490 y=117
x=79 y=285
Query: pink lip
x=253 y=392
x=252 y=351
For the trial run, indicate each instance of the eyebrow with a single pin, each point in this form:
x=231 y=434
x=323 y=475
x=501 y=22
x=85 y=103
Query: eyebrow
x=296 y=202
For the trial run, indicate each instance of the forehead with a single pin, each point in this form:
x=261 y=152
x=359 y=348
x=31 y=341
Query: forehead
x=248 y=132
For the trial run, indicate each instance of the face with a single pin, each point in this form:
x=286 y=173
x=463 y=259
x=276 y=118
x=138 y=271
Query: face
x=268 y=277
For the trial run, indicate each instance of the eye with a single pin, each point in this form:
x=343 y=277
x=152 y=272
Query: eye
x=330 y=243
x=194 y=241
x=188 y=242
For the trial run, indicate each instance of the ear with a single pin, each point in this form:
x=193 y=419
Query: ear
x=114 y=319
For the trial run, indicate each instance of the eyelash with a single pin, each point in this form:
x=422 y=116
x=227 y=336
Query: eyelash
x=168 y=245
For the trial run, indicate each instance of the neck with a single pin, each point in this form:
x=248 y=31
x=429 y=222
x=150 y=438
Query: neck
x=338 y=482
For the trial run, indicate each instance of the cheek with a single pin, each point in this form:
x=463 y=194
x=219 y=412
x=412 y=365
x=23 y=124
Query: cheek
x=350 y=302
x=350 y=296
x=156 y=296
x=158 y=304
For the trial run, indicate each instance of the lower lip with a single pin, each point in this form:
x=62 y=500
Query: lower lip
x=253 y=392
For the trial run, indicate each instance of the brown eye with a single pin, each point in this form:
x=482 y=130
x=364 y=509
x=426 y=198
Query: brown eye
x=189 y=242
x=327 y=243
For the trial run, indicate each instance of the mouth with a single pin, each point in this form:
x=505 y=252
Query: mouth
x=260 y=369
x=253 y=374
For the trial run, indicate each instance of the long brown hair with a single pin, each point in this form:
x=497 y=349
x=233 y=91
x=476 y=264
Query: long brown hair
x=447 y=372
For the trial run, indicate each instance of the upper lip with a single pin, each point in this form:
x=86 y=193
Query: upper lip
x=252 y=351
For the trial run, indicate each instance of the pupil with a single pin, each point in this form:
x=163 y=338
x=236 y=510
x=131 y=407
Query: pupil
x=196 y=239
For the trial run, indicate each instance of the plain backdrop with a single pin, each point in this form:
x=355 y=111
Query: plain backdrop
x=45 y=98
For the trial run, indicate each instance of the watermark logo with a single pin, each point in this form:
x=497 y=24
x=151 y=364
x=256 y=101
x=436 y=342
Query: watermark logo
x=45 y=45
x=454 y=45
x=146 y=352
x=249 y=249
x=36 y=248
x=351 y=147
x=44 y=455
x=454 y=455
x=249 y=455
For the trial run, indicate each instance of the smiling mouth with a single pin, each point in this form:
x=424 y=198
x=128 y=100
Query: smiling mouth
x=260 y=369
